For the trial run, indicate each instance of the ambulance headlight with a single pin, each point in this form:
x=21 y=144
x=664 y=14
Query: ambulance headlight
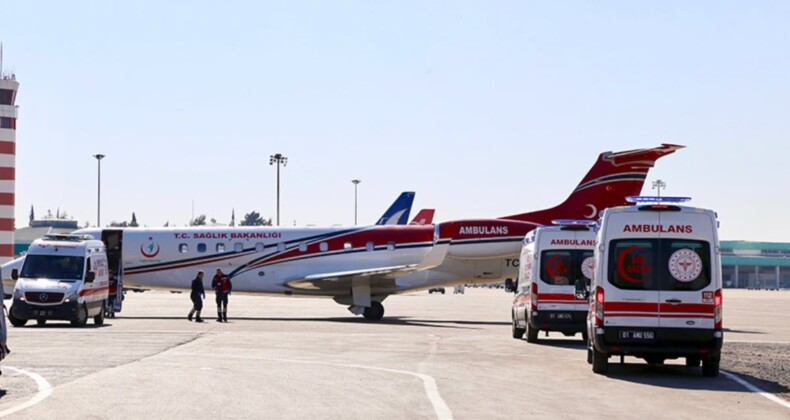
x=72 y=296
x=18 y=295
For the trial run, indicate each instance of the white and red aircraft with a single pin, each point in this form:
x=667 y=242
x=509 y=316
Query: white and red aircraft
x=361 y=266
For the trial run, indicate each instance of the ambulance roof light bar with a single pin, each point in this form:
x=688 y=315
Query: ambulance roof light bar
x=572 y=222
x=643 y=199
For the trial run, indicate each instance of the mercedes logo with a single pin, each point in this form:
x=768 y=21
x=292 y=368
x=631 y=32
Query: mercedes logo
x=44 y=297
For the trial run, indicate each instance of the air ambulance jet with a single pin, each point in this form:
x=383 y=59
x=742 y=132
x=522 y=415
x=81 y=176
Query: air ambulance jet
x=361 y=266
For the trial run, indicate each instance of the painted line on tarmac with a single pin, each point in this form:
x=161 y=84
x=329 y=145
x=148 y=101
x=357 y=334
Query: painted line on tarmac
x=755 y=389
x=44 y=391
x=431 y=389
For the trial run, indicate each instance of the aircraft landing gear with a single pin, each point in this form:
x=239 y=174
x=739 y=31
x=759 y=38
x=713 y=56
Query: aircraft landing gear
x=374 y=312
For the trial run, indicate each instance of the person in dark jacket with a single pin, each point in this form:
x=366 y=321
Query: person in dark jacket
x=222 y=286
x=197 y=295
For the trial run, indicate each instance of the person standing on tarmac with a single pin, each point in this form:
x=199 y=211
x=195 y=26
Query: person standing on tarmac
x=3 y=334
x=222 y=286
x=197 y=295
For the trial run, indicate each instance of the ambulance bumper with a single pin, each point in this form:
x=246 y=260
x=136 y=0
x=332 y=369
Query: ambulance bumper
x=668 y=342
x=568 y=322
x=63 y=311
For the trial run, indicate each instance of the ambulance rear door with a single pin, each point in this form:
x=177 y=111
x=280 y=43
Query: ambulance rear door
x=686 y=256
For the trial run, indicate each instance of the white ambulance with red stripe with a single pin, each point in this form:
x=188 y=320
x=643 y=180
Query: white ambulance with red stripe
x=553 y=260
x=63 y=277
x=657 y=289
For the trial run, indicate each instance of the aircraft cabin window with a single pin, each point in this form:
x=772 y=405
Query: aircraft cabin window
x=323 y=246
x=369 y=246
x=281 y=247
x=347 y=245
x=390 y=246
x=238 y=247
x=259 y=247
x=303 y=247
x=220 y=247
x=201 y=248
x=183 y=248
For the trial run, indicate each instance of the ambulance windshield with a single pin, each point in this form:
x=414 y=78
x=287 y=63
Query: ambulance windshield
x=59 y=267
x=562 y=267
x=659 y=264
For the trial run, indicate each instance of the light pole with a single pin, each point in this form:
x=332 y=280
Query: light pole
x=98 y=157
x=356 y=183
x=279 y=159
x=658 y=185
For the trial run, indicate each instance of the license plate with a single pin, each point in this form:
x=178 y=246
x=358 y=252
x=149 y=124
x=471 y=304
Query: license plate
x=637 y=335
x=561 y=316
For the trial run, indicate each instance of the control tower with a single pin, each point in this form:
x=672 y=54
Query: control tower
x=8 y=115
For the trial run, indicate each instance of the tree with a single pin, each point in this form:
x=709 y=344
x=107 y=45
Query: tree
x=167 y=224
x=32 y=215
x=198 y=221
x=252 y=219
x=119 y=224
x=134 y=221
x=232 y=217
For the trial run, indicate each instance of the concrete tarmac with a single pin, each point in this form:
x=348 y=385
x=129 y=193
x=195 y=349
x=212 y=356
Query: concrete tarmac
x=432 y=356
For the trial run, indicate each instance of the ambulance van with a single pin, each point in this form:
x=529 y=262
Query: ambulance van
x=63 y=277
x=657 y=289
x=553 y=260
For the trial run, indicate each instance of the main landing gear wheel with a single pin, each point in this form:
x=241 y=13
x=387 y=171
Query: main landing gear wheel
x=375 y=312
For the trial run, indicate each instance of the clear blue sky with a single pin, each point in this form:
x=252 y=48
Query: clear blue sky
x=483 y=108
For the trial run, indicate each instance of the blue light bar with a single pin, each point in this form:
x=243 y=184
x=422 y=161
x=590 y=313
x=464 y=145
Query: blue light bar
x=571 y=222
x=654 y=199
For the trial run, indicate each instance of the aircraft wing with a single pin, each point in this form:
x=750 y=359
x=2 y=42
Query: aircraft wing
x=342 y=281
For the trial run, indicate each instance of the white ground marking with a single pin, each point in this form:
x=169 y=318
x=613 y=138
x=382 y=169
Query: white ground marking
x=44 y=390
x=757 y=390
x=431 y=389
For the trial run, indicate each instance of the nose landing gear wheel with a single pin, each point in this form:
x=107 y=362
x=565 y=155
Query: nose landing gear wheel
x=375 y=312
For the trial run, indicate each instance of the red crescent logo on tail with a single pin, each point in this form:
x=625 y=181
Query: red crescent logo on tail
x=153 y=249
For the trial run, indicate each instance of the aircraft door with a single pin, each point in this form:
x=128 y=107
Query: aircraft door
x=113 y=240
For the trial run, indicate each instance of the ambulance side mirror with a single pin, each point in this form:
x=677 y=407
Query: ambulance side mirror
x=581 y=290
x=15 y=274
x=511 y=286
x=90 y=277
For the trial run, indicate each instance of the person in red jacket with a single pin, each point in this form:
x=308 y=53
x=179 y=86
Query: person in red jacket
x=222 y=287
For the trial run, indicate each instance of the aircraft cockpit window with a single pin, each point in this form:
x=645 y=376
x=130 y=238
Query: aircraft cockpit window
x=303 y=247
x=323 y=246
x=220 y=247
x=390 y=246
x=201 y=247
x=238 y=247
x=369 y=246
x=183 y=248
x=259 y=247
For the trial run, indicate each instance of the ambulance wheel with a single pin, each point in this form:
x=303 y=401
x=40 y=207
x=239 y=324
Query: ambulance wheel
x=81 y=318
x=532 y=334
x=600 y=361
x=518 y=333
x=17 y=322
x=41 y=322
x=652 y=360
x=693 y=361
x=584 y=336
x=375 y=312
x=589 y=352
x=710 y=366
x=99 y=318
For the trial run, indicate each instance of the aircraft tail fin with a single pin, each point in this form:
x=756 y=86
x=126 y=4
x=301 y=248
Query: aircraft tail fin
x=398 y=213
x=613 y=177
x=423 y=217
